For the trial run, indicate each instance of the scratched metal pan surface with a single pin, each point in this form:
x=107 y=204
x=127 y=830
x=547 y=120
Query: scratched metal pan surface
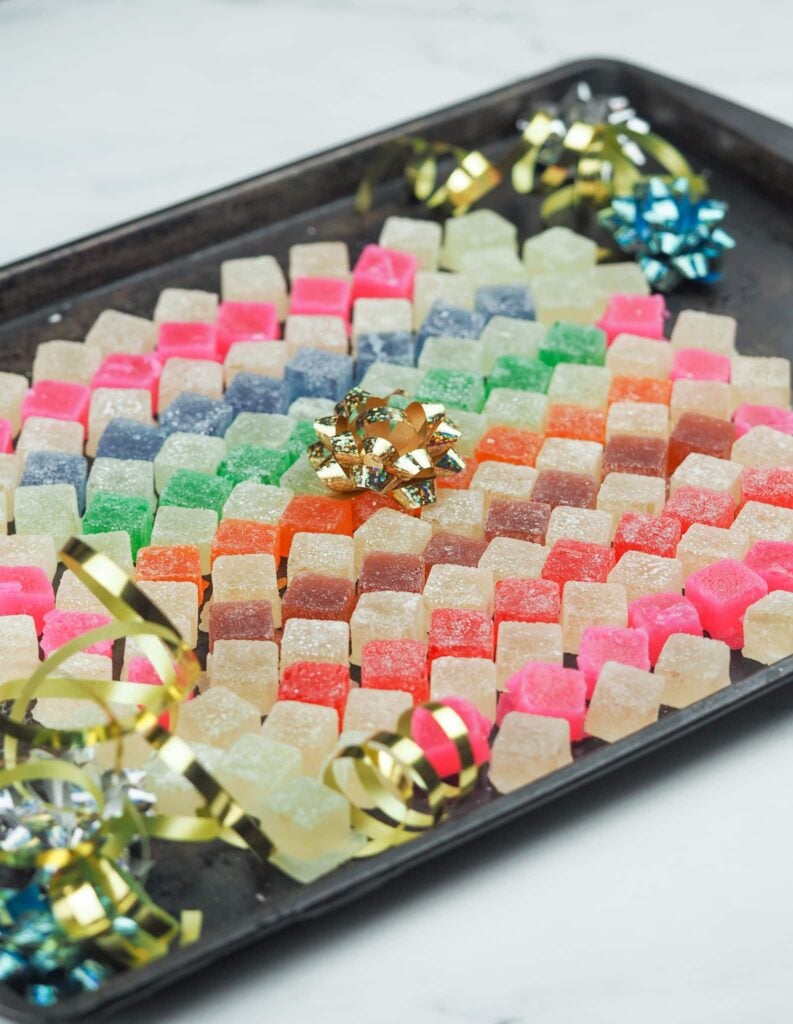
x=58 y=294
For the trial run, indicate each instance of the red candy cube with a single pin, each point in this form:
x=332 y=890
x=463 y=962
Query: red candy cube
x=700 y=364
x=634 y=314
x=772 y=485
x=748 y=416
x=321 y=296
x=58 y=400
x=600 y=644
x=773 y=560
x=61 y=627
x=689 y=505
x=310 y=513
x=396 y=665
x=26 y=590
x=316 y=682
x=441 y=751
x=458 y=633
x=508 y=444
x=518 y=600
x=458 y=481
x=578 y=560
x=245 y=321
x=721 y=593
x=314 y=596
x=187 y=341
x=383 y=274
x=123 y=370
x=639 y=531
x=548 y=689
x=661 y=615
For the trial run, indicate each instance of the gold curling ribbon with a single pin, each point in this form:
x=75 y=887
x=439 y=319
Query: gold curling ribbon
x=395 y=794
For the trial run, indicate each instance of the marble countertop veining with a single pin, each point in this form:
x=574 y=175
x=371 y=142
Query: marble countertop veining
x=662 y=897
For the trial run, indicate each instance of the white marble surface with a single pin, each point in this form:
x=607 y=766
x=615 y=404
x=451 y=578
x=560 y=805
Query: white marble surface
x=664 y=898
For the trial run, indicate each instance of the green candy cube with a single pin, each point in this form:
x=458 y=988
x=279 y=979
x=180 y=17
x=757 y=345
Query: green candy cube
x=251 y=462
x=452 y=388
x=573 y=343
x=520 y=374
x=109 y=512
x=188 y=488
x=301 y=437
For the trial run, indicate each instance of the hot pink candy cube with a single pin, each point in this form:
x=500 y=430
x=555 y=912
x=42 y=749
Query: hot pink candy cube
x=383 y=274
x=661 y=615
x=440 y=750
x=61 y=627
x=141 y=670
x=773 y=560
x=124 y=370
x=748 y=416
x=187 y=341
x=772 y=485
x=6 y=437
x=600 y=644
x=548 y=689
x=700 y=364
x=634 y=314
x=321 y=296
x=58 y=400
x=245 y=321
x=721 y=593
x=26 y=590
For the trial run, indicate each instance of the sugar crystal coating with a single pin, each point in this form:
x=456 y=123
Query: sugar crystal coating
x=692 y=667
x=306 y=819
x=521 y=642
x=474 y=679
x=372 y=711
x=248 y=668
x=625 y=699
x=255 y=767
x=721 y=593
x=217 y=717
x=386 y=614
x=768 y=628
x=312 y=728
x=526 y=748
x=310 y=640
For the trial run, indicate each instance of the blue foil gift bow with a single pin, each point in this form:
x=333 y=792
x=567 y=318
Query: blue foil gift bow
x=673 y=235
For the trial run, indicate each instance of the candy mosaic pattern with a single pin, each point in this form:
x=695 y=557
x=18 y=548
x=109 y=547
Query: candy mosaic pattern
x=624 y=520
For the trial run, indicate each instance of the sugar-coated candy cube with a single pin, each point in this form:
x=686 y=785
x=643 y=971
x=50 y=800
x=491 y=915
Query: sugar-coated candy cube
x=197 y=452
x=773 y=560
x=481 y=229
x=314 y=682
x=706 y=471
x=721 y=593
x=60 y=627
x=576 y=422
x=246 y=537
x=640 y=456
x=702 y=545
x=759 y=521
x=660 y=616
x=187 y=305
x=315 y=640
x=179 y=563
x=74 y=596
x=381 y=317
x=547 y=689
x=418 y=238
x=36 y=549
x=394 y=347
x=640 y=389
x=245 y=321
x=329 y=554
x=122 y=476
x=19 y=646
x=328 y=333
x=26 y=590
x=508 y=444
x=381 y=378
x=505 y=336
x=518 y=600
x=386 y=614
x=250 y=392
x=240 y=620
x=456 y=633
x=445 y=320
x=519 y=373
x=513 y=407
x=389 y=530
x=748 y=416
x=473 y=679
x=692 y=667
x=66 y=360
x=573 y=343
x=630 y=355
x=301 y=478
x=250 y=462
x=396 y=665
x=47 y=508
x=11 y=467
x=307 y=408
x=308 y=513
x=522 y=642
x=263 y=503
x=196 y=414
x=57 y=468
x=638 y=531
x=175 y=794
x=255 y=767
x=247 y=577
x=492 y=267
x=186 y=341
x=557 y=487
x=128 y=439
x=263 y=358
x=430 y=287
x=641 y=573
x=312 y=728
x=570 y=456
x=383 y=273
x=625 y=700
x=321 y=296
x=632 y=492
x=108 y=512
x=700 y=505
x=700 y=364
x=520 y=520
x=319 y=259
x=113 y=331
x=184 y=376
x=440 y=751
x=761 y=447
x=13 y=391
x=372 y=711
x=526 y=748
x=574 y=298
x=634 y=314
x=508 y=300
x=458 y=512
x=189 y=488
x=307 y=821
x=601 y=644
x=509 y=558
x=504 y=481
x=761 y=380
x=578 y=560
x=591 y=604
x=458 y=586
x=175 y=525
x=58 y=400
x=323 y=374
x=116 y=403
x=558 y=250
x=383 y=570
x=217 y=717
x=639 y=419
x=772 y=485
x=248 y=668
x=114 y=543
x=441 y=352
x=178 y=600
x=710 y=397
x=315 y=596
x=455 y=389
x=580 y=524
x=140 y=372
x=768 y=628
x=453 y=549
x=710 y=331
x=254 y=279
x=586 y=386
x=706 y=435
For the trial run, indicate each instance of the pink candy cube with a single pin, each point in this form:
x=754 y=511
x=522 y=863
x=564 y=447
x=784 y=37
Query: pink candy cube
x=58 y=400
x=721 y=593
x=61 y=627
x=545 y=688
x=440 y=750
x=691 y=505
x=661 y=615
x=321 y=296
x=600 y=644
x=187 y=341
x=773 y=485
x=6 y=435
x=700 y=364
x=122 y=370
x=26 y=590
x=773 y=560
x=634 y=314
x=140 y=670
x=748 y=416
x=383 y=274
x=245 y=321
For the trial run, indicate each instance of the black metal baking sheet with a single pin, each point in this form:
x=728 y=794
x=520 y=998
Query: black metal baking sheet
x=749 y=159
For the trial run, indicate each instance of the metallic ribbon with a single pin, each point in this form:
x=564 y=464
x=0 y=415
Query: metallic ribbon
x=370 y=445
x=673 y=235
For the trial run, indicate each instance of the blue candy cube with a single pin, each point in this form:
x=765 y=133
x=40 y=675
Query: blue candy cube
x=249 y=392
x=57 y=468
x=190 y=413
x=316 y=374
x=128 y=439
x=447 y=321
x=513 y=300
x=387 y=347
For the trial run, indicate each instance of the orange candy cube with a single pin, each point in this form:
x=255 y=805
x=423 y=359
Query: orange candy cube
x=314 y=513
x=178 y=564
x=508 y=444
x=246 y=537
x=640 y=389
x=459 y=481
x=574 y=421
